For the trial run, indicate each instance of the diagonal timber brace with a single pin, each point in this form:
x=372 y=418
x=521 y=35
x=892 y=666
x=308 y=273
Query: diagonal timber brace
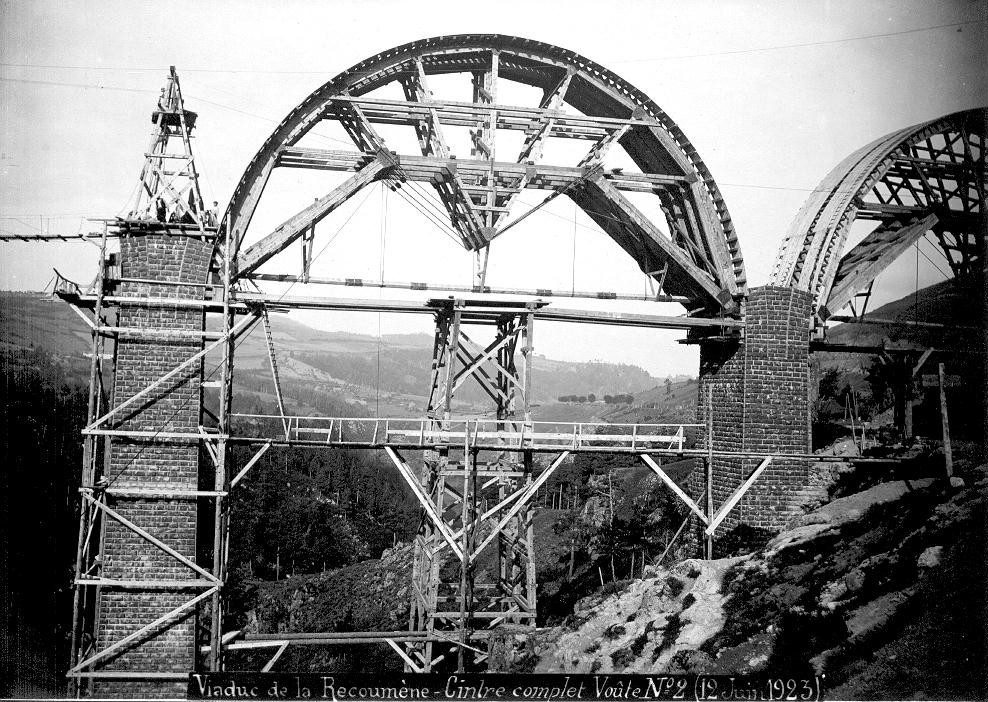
x=871 y=256
x=150 y=538
x=144 y=631
x=532 y=488
x=671 y=484
x=633 y=231
x=290 y=230
x=243 y=325
x=736 y=497
x=423 y=498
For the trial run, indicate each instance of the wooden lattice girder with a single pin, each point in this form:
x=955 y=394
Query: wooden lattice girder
x=933 y=168
x=506 y=174
x=456 y=482
x=241 y=327
x=871 y=256
x=169 y=174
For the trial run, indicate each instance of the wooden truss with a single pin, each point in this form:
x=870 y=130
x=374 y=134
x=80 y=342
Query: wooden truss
x=694 y=255
x=473 y=567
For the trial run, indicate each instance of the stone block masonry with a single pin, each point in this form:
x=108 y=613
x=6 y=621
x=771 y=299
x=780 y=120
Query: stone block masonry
x=760 y=404
x=136 y=463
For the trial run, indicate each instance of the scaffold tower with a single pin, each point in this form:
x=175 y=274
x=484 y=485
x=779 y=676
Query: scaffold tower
x=475 y=493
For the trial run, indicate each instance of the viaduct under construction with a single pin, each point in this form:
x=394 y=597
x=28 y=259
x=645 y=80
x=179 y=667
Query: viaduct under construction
x=158 y=475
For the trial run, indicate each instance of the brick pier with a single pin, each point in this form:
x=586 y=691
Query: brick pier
x=760 y=403
x=172 y=464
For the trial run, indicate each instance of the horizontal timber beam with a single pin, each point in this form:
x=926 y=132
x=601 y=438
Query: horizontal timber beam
x=877 y=349
x=546 y=314
x=639 y=237
x=245 y=302
x=443 y=287
x=468 y=114
x=506 y=173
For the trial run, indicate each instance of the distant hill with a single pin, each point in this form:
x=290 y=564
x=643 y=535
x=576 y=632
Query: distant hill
x=951 y=303
x=393 y=370
x=35 y=320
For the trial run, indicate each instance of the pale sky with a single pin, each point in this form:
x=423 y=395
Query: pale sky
x=772 y=94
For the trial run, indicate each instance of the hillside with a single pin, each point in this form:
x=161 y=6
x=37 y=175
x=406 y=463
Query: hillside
x=872 y=589
x=948 y=303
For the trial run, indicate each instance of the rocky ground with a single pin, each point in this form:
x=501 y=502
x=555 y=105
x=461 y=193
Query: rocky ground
x=880 y=589
x=372 y=595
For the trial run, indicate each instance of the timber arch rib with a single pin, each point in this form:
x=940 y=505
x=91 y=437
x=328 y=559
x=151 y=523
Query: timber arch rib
x=700 y=258
x=924 y=179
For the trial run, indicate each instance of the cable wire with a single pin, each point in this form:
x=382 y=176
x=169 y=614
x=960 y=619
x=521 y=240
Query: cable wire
x=734 y=52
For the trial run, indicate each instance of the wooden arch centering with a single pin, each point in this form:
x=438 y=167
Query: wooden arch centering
x=927 y=178
x=700 y=258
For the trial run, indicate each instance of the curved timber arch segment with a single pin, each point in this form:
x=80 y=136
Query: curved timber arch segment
x=699 y=259
x=928 y=179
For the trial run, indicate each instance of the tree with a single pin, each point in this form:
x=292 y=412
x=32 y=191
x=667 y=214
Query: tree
x=574 y=529
x=606 y=539
x=668 y=386
x=591 y=397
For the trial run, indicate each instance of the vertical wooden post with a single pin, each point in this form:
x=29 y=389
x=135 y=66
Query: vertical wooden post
x=467 y=517
x=947 y=453
x=709 y=539
x=80 y=595
x=983 y=223
x=221 y=474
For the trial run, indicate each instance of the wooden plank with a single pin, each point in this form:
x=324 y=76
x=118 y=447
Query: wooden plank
x=243 y=324
x=145 y=584
x=427 y=168
x=127 y=675
x=922 y=359
x=250 y=464
x=424 y=500
x=636 y=223
x=144 y=630
x=404 y=656
x=533 y=487
x=274 y=658
x=151 y=539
